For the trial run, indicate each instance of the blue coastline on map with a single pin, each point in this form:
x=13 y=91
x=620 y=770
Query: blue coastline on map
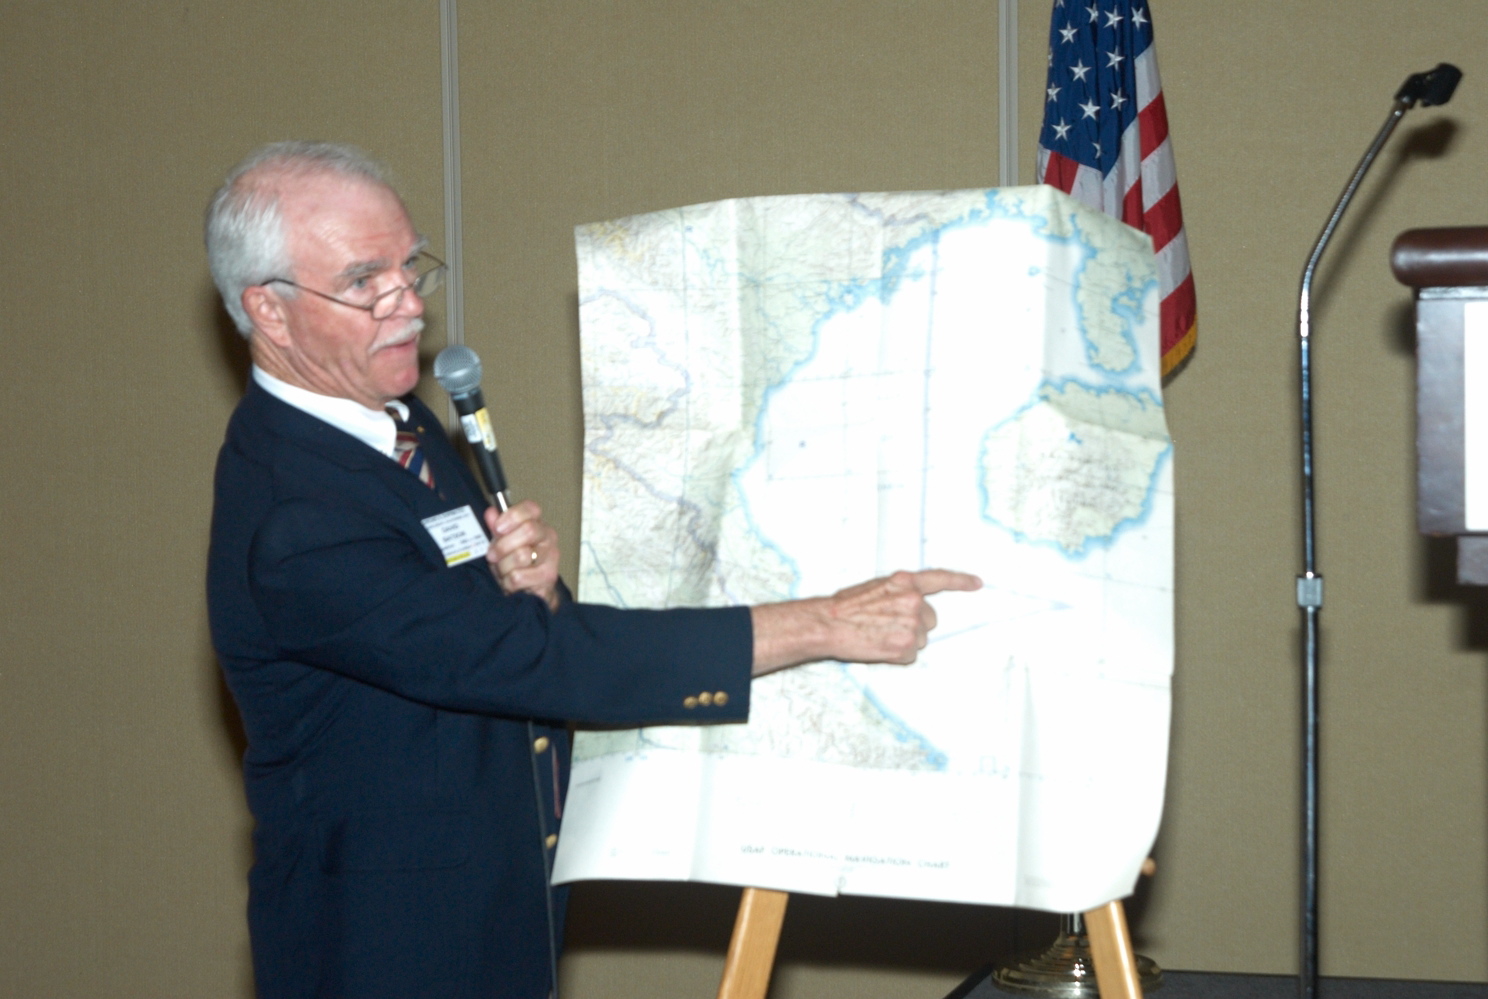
x=843 y=297
x=935 y=758
x=846 y=297
x=897 y=269
x=1090 y=542
x=901 y=265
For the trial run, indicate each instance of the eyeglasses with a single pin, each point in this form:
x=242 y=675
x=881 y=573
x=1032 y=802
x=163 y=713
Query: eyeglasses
x=429 y=278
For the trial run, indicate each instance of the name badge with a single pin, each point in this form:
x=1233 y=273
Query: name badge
x=458 y=534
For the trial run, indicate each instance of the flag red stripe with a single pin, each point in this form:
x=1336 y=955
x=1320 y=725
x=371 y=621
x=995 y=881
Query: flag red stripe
x=1061 y=172
x=1178 y=312
x=1154 y=122
x=1163 y=220
x=1131 y=208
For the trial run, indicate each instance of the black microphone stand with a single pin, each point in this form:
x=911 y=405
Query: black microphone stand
x=1427 y=89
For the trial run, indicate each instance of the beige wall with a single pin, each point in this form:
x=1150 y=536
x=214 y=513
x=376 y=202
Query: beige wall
x=123 y=838
x=1271 y=106
x=123 y=835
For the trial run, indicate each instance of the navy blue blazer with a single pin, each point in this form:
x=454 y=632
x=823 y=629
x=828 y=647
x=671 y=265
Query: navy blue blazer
x=407 y=749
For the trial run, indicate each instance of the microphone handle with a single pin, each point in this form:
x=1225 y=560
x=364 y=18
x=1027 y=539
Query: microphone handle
x=476 y=422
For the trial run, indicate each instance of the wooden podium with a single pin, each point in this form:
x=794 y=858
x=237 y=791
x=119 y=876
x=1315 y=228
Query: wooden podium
x=1448 y=268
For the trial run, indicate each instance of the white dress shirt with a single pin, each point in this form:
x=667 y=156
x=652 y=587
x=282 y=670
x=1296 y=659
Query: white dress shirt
x=373 y=427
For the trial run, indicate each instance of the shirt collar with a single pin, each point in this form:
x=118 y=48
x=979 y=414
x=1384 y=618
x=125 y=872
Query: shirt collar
x=373 y=427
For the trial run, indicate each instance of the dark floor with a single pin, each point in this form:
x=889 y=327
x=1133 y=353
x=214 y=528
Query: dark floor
x=1205 y=985
x=1200 y=985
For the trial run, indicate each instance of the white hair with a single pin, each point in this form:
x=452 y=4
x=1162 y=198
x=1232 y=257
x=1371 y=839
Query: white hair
x=245 y=226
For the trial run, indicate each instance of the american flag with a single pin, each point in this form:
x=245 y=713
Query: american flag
x=1105 y=141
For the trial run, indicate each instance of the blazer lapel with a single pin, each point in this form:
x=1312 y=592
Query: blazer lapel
x=375 y=479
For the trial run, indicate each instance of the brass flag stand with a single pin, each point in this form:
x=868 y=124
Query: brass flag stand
x=1068 y=968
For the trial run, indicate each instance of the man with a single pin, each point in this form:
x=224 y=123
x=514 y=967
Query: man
x=406 y=717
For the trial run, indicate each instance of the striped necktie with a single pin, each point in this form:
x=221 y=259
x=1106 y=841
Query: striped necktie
x=406 y=452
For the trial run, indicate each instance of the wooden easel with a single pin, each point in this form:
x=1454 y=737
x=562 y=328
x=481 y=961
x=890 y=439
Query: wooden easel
x=751 y=953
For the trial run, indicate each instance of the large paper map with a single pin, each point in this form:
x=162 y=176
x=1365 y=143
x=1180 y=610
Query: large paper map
x=787 y=395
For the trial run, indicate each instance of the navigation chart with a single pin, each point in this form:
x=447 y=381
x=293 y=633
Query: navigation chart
x=788 y=395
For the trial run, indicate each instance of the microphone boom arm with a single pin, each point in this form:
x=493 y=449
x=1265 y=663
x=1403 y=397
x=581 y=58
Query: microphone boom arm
x=1430 y=88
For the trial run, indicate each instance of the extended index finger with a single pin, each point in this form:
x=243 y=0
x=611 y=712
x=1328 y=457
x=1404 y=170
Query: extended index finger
x=929 y=581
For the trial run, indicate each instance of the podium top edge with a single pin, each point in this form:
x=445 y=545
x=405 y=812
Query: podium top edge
x=1441 y=258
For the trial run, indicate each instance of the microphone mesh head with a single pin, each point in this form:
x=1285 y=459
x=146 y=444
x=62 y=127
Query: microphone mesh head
x=458 y=369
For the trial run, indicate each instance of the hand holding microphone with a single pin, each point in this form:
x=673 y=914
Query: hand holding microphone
x=524 y=549
x=458 y=369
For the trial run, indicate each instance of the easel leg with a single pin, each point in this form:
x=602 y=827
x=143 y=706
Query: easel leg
x=1111 y=951
x=751 y=953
